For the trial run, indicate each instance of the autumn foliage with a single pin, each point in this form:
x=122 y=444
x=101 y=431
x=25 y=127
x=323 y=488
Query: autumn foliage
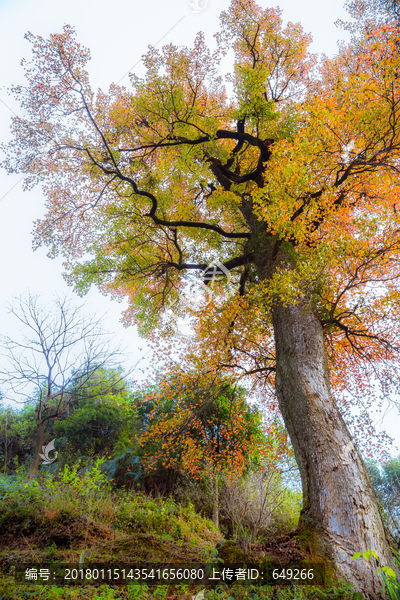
x=199 y=429
x=157 y=180
x=286 y=172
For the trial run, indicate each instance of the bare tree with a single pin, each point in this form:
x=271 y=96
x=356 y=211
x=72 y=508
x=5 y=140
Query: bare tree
x=56 y=344
x=253 y=504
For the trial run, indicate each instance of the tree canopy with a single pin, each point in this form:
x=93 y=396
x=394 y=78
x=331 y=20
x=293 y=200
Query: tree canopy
x=196 y=429
x=288 y=177
x=160 y=179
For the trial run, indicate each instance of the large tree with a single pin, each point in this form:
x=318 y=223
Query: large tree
x=290 y=180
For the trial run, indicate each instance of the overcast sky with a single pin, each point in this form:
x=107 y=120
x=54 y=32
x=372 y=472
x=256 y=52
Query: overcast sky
x=118 y=34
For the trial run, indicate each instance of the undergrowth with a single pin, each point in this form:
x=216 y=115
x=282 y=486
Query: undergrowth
x=86 y=506
x=10 y=591
x=78 y=513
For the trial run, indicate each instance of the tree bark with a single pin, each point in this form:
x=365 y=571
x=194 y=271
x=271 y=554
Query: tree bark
x=340 y=514
x=215 y=500
x=5 y=444
x=39 y=446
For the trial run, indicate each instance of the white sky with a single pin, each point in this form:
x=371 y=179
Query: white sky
x=117 y=33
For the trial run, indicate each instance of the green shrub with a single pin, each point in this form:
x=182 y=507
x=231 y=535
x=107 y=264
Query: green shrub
x=78 y=504
x=18 y=496
x=137 y=512
x=390 y=585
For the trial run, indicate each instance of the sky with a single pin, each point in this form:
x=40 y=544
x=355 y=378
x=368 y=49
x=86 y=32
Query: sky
x=118 y=34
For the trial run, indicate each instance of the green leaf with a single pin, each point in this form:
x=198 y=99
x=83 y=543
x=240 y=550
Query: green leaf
x=388 y=571
x=368 y=553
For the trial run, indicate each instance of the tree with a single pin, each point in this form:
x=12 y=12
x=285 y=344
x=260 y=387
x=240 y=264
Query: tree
x=201 y=430
x=386 y=482
x=291 y=182
x=60 y=342
x=101 y=415
x=7 y=420
x=18 y=433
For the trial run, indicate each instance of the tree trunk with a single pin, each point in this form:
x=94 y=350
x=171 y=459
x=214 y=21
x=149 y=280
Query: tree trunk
x=5 y=444
x=340 y=514
x=215 y=500
x=39 y=447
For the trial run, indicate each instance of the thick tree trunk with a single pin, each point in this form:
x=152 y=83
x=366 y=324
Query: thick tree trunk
x=340 y=513
x=39 y=446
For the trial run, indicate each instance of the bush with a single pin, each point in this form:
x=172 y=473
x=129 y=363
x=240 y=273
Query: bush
x=20 y=504
x=258 y=505
x=78 y=491
x=19 y=496
x=78 y=504
x=138 y=512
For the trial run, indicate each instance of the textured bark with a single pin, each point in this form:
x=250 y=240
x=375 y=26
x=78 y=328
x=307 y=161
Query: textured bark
x=340 y=513
x=39 y=445
x=215 y=500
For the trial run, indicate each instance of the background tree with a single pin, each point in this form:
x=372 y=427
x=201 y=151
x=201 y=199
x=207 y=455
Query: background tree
x=100 y=416
x=59 y=342
x=7 y=439
x=386 y=482
x=201 y=430
x=18 y=430
x=291 y=182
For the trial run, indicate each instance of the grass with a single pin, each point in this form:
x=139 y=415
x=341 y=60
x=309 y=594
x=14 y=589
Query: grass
x=72 y=513
x=75 y=518
x=11 y=591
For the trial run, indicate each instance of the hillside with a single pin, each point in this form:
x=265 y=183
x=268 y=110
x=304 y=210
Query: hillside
x=81 y=520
